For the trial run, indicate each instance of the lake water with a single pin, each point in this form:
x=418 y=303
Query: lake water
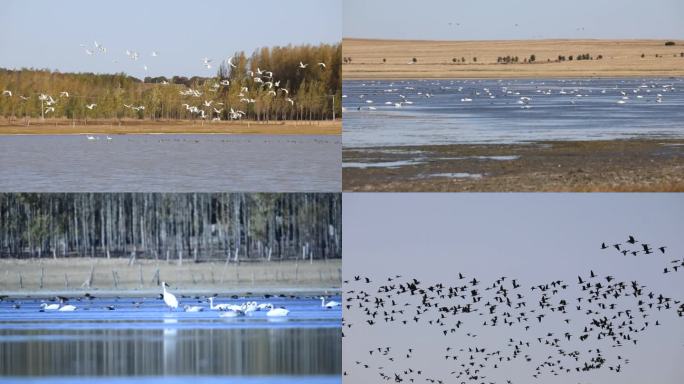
x=170 y=163
x=141 y=338
x=509 y=111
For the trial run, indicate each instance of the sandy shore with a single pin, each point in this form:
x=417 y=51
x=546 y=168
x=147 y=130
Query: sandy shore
x=577 y=166
x=115 y=276
x=435 y=59
x=101 y=127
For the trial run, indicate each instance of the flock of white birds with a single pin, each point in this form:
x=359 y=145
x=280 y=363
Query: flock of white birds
x=227 y=310
x=262 y=80
x=407 y=95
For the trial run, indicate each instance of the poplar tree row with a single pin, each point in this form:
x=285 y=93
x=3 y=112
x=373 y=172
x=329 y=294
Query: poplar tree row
x=311 y=91
x=183 y=226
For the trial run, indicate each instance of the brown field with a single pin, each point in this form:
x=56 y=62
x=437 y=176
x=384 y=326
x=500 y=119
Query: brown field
x=638 y=165
x=69 y=275
x=67 y=127
x=621 y=58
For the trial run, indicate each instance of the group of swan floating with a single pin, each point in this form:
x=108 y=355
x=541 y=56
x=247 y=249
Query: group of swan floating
x=646 y=92
x=227 y=310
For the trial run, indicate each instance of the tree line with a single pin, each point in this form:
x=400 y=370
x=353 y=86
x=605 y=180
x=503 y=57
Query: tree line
x=175 y=226
x=300 y=93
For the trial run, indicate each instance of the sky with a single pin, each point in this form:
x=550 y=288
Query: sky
x=497 y=19
x=48 y=34
x=535 y=238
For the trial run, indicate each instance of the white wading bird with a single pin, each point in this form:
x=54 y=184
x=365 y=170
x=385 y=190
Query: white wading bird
x=169 y=299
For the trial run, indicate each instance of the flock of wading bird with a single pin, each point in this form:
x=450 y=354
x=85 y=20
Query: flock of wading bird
x=262 y=80
x=171 y=301
x=613 y=314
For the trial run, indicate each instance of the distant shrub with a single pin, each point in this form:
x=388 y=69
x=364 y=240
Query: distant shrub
x=384 y=60
x=642 y=55
x=599 y=57
x=669 y=43
x=570 y=57
x=532 y=58
x=454 y=60
x=474 y=59
x=462 y=59
x=415 y=60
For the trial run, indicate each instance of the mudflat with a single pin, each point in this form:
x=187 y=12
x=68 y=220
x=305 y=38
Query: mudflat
x=635 y=165
x=393 y=59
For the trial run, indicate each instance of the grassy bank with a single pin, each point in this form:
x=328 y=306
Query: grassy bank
x=389 y=59
x=113 y=127
x=639 y=165
x=116 y=276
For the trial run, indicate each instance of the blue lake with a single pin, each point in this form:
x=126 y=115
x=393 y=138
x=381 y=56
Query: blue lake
x=141 y=338
x=432 y=112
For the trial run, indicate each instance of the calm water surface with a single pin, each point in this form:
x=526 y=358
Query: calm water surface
x=510 y=111
x=142 y=338
x=189 y=163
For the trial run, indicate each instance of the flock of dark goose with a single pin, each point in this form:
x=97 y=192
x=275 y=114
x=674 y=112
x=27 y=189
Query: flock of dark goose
x=613 y=314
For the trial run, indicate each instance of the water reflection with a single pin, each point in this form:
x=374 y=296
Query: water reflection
x=171 y=351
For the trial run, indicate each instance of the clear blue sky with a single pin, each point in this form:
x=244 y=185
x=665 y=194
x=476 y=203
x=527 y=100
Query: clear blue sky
x=537 y=238
x=497 y=19
x=47 y=34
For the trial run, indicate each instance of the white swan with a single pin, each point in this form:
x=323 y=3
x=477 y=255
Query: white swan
x=223 y=307
x=276 y=312
x=67 y=308
x=193 y=308
x=330 y=304
x=49 y=307
x=169 y=299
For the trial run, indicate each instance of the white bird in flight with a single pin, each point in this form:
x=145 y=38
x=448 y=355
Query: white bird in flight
x=91 y=106
x=302 y=65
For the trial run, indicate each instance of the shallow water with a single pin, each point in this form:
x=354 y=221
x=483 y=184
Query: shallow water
x=558 y=109
x=141 y=337
x=173 y=163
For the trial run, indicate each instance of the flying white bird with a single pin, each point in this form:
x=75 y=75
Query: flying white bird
x=154 y=54
x=91 y=106
x=64 y=94
x=302 y=65
x=322 y=65
x=230 y=62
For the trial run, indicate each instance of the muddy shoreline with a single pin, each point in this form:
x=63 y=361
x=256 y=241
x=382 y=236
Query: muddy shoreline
x=634 y=165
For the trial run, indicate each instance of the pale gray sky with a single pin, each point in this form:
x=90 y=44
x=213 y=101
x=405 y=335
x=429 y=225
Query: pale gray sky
x=497 y=19
x=47 y=34
x=534 y=237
